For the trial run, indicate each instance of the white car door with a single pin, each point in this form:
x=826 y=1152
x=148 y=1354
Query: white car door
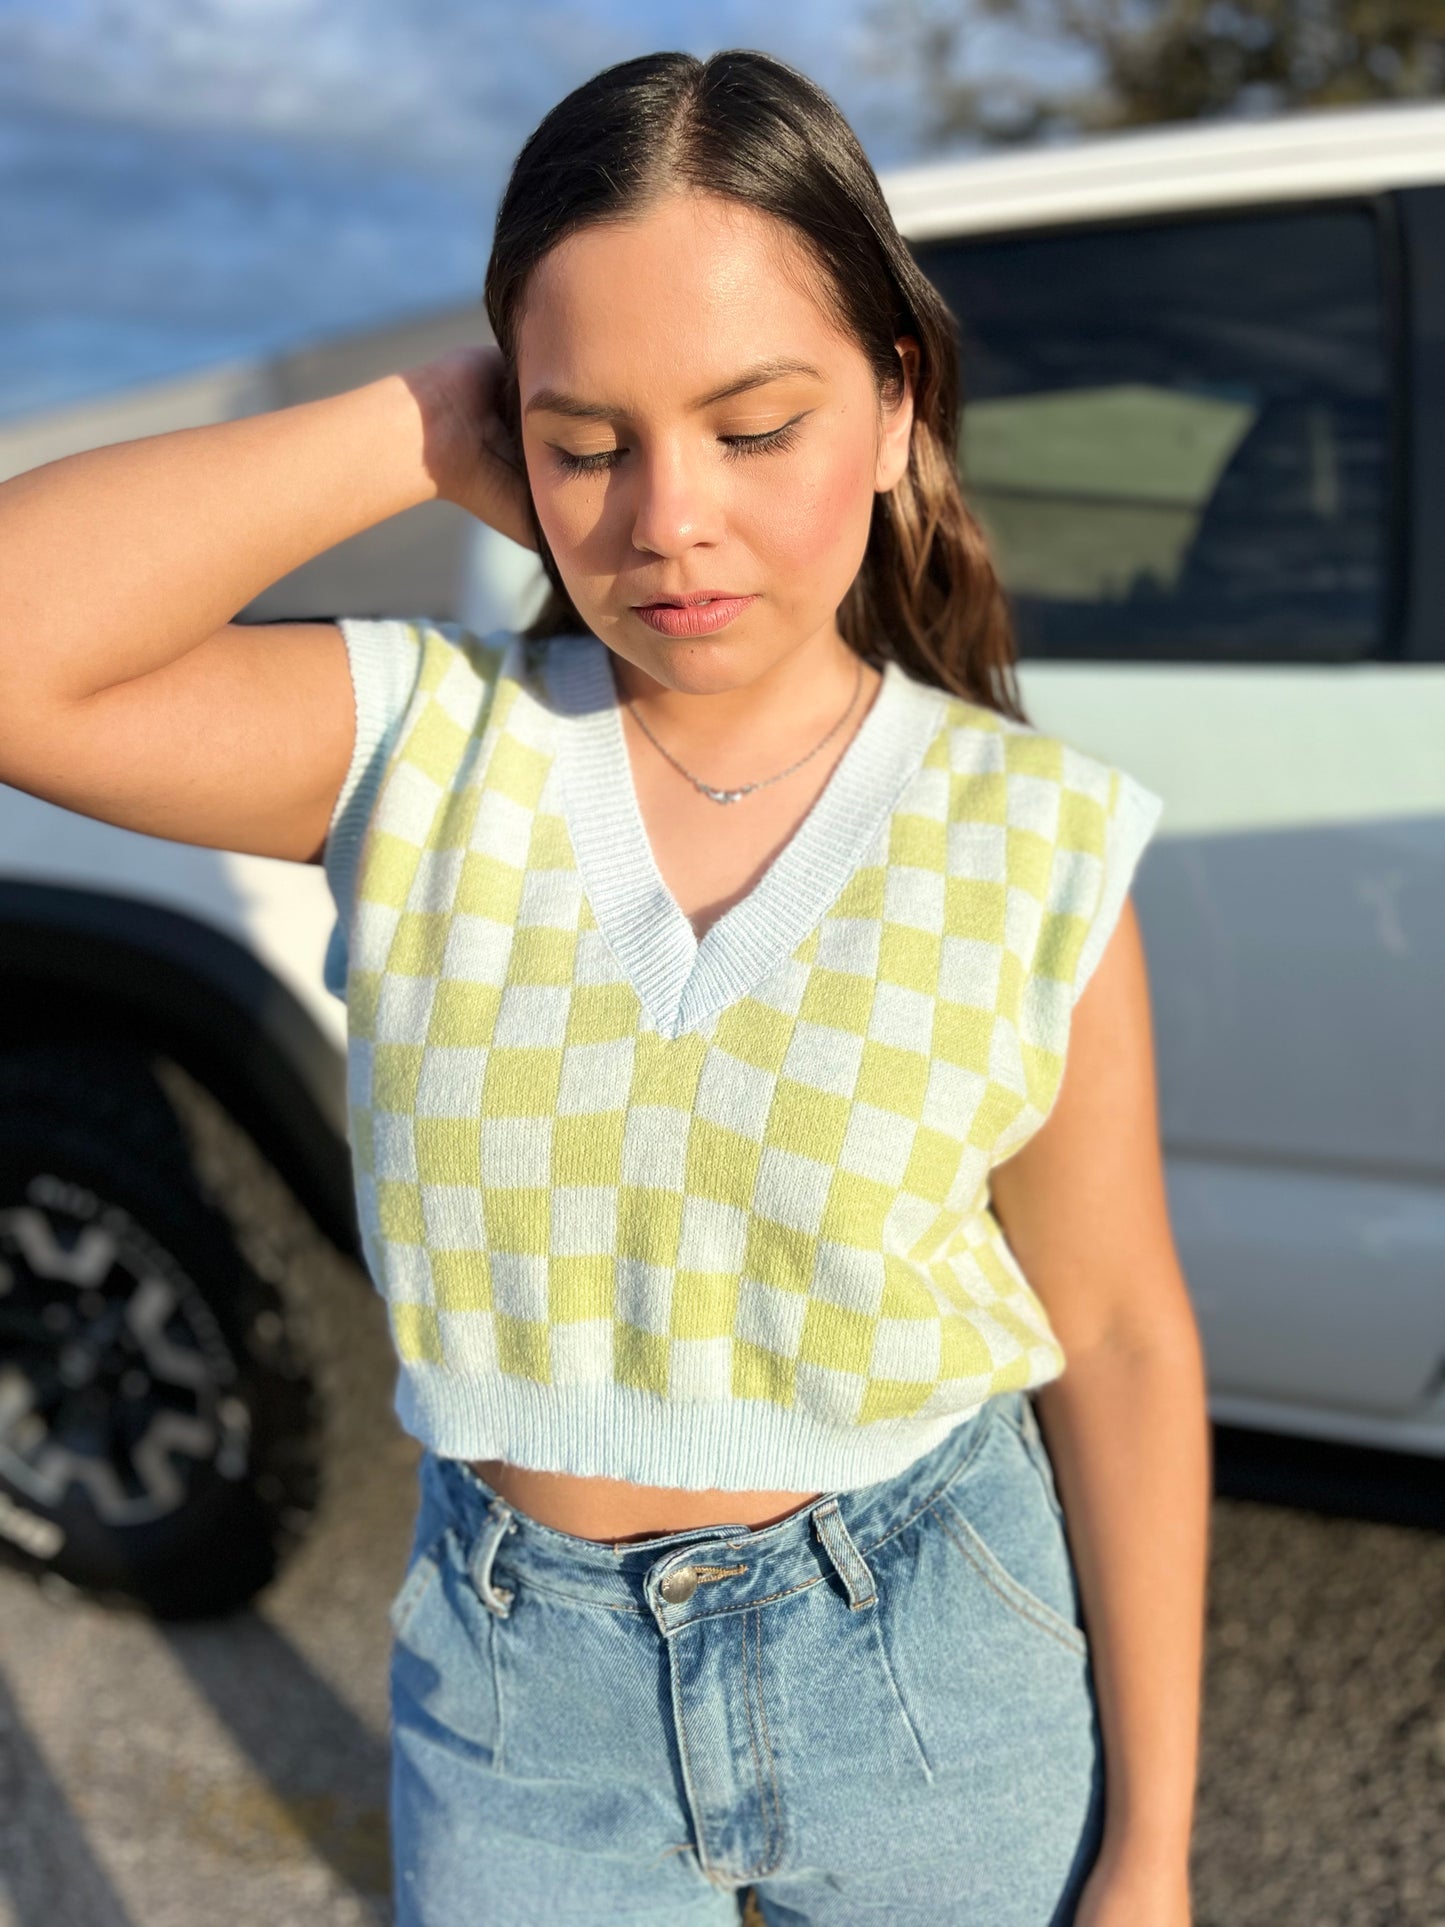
x=1184 y=435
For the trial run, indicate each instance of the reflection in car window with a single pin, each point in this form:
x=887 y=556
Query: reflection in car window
x=1177 y=435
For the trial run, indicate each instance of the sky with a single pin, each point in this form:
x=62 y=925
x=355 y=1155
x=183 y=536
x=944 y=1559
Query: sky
x=432 y=83
x=188 y=181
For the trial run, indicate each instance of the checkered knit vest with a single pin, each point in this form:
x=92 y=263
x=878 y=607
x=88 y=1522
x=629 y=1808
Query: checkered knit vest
x=700 y=1213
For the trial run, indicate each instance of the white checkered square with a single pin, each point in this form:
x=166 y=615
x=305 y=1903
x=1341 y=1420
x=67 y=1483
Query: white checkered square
x=477 y=949
x=449 y=1083
x=876 y=1145
x=915 y=896
x=393 y=1145
x=735 y=1094
x=502 y=829
x=408 y=1274
x=596 y=1077
x=852 y=1279
x=1033 y=804
x=582 y=1352
x=644 y=1296
x=451 y=1218
x=551 y=900
x=901 y=1018
x=533 y=1014
x=823 y=1057
x=700 y=1369
x=851 y=944
x=906 y=1348
x=953 y=1097
x=654 y=1147
x=714 y=1235
x=978 y=850
x=584 y=1219
x=469 y=1345
x=830 y=1397
x=411 y=798
x=372 y=936
x=519 y=1286
x=403 y=1009
x=795 y=1187
x=516 y=1153
x=771 y=1318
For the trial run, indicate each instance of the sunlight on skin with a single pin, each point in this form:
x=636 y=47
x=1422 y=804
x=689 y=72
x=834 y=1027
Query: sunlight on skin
x=642 y=318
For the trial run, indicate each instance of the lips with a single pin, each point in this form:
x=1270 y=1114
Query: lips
x=692 y=601
x=702 y=615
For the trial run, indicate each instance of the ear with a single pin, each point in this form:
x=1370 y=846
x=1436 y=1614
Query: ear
x=897 y=427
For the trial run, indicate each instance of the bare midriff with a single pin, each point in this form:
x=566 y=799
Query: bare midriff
x=615 y=1510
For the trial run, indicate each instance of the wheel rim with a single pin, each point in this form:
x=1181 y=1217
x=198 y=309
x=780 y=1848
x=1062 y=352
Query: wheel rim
x=116 y=1379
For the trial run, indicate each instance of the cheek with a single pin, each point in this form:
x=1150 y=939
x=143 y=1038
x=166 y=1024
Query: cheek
x=818 y=521
x=565 y=513
x=583 y=532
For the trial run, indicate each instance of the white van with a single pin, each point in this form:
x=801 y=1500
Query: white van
x=1205 y=427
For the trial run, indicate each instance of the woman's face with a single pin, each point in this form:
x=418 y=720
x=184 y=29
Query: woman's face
x=651 y=480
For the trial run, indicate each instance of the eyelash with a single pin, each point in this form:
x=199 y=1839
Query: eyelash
x=735 y=446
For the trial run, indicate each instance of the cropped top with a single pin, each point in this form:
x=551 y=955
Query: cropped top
x=700 y=1213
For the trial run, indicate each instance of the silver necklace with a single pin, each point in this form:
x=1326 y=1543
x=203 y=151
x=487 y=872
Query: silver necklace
x=731 y=796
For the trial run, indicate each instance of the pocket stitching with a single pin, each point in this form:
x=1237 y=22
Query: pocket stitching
x=1012 y=1591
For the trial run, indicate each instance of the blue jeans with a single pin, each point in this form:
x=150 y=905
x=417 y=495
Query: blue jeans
x=879 y=1709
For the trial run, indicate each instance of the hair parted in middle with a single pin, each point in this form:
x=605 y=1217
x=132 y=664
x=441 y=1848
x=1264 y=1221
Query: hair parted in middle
x=749 y=127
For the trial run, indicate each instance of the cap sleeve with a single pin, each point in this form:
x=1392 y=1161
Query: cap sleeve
x=385 y=658
x=1131 y=815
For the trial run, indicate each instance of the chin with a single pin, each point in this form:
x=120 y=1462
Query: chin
x=698 y=663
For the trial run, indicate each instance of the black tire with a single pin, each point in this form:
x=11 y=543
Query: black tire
x=159 y=1430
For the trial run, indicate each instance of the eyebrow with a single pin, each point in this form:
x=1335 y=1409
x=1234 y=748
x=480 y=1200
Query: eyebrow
x=553 y=401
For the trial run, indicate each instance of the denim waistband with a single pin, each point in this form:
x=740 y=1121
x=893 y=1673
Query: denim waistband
x=683 y=1575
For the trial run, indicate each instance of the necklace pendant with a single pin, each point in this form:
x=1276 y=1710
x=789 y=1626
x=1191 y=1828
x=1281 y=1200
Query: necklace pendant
x=734 y=796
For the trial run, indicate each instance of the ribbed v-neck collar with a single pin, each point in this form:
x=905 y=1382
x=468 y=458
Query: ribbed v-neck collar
x=680 y=978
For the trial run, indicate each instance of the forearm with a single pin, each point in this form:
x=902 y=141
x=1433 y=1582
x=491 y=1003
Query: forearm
x=1128 y=1432
x=118 y=560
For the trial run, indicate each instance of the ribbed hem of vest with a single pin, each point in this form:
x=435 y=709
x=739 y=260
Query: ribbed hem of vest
x=612 y=1432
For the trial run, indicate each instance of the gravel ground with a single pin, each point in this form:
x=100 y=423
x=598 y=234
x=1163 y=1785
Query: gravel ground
x=235 y=1772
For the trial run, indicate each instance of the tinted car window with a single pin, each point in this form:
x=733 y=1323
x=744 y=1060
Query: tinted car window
x=1177 y=434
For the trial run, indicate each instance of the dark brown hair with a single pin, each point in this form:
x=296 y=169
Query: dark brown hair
x=747 y=126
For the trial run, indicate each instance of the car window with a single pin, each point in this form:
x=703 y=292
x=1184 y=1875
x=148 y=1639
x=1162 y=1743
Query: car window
x=1177 y=434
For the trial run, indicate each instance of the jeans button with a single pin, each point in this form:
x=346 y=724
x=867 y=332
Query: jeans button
x=679 y=1585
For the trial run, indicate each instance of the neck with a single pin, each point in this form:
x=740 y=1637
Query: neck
x=805 y=691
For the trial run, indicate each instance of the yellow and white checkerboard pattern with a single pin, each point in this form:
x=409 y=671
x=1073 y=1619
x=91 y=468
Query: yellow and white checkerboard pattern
x=776 y=1221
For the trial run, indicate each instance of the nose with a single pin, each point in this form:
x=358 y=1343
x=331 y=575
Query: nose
x=675 y=507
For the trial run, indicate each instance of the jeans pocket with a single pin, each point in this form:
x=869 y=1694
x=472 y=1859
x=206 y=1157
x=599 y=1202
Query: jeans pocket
x=1025 y=1421
x=443 y=1664
x=1002 y=1516
x=421 y=1572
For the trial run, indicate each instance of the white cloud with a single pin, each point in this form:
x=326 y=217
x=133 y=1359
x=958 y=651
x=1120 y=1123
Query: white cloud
x=439 y=83
x=445 y=84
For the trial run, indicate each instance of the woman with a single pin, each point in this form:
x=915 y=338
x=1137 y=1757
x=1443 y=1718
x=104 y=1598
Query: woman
x=712 y=953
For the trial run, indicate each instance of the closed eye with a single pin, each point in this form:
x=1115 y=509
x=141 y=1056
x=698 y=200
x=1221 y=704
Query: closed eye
x=734 y=446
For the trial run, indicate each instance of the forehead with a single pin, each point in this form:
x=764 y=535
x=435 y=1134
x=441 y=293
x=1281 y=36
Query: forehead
x=696 y=286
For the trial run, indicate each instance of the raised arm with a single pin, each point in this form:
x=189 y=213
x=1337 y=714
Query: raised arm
x=128 y=693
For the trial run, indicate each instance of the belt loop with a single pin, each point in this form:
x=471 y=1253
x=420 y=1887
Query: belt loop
x=848 y=1561
x=499 y=1522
